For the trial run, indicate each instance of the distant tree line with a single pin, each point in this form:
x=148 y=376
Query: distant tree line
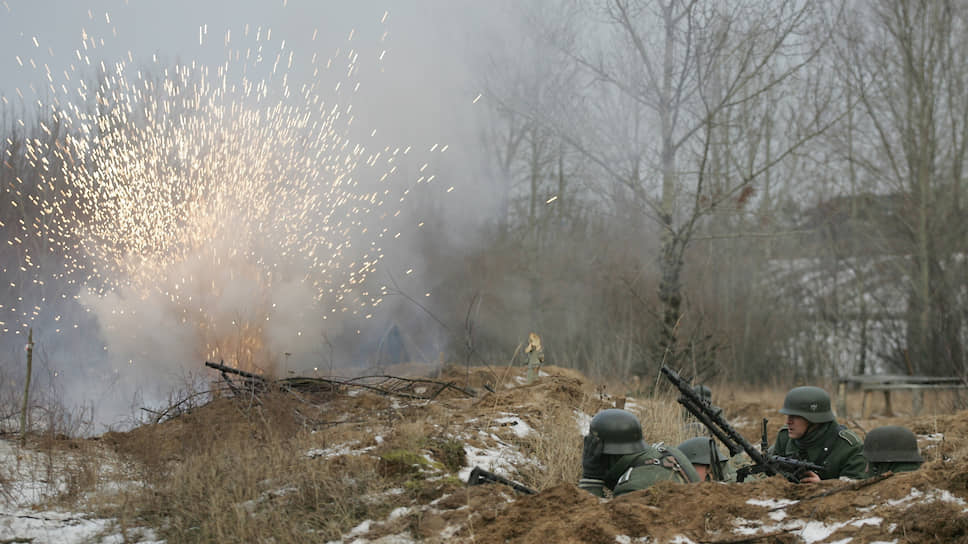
x=756 y=190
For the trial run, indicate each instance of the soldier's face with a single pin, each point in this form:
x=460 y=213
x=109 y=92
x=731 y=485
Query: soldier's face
x=702 y=470
x=797 y=426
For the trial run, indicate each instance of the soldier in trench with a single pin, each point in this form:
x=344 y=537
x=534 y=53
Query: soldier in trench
x=812 y=434
x=615 y=457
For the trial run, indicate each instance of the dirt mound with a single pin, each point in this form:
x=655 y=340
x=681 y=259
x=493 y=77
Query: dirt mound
x=196 y=429
x=502 y=377
x=531 y=433
x=715 y=512
x=548 y=391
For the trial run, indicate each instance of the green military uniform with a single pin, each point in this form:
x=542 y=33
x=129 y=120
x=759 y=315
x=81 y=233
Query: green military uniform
x=616 y=457
x=654 y=464
x=825 y=442
x=838 y=449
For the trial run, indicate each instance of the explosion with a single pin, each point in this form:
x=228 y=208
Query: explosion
x=213 y=213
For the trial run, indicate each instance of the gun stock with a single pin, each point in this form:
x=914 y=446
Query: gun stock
x=479 y=476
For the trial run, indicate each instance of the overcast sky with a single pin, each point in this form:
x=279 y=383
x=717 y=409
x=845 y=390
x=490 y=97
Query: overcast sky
x=427 y=72
x=421 y=92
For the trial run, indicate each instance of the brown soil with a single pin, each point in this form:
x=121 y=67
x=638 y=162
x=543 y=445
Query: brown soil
x=930 y=505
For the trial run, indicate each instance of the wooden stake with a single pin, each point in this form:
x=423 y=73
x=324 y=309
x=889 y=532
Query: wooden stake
x=23 y=411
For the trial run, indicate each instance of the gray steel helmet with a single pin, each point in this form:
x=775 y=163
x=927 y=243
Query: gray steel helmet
x=619 y=431
x=704 y=392
x=697 y=450
x=810 y=403
x=891 y=444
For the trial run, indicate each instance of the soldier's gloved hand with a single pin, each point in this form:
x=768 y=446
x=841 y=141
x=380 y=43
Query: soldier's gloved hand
x=593 y=465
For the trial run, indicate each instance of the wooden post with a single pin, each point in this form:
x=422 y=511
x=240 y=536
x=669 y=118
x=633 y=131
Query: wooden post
x=535 y=356
x=842 y=399
x=865 y=405
x=917 y=401
x=888 y=411
x=23 y=410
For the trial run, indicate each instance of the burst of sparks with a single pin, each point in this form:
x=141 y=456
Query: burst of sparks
x=187 y=184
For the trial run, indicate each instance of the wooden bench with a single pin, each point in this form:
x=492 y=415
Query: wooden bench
x=886 y=383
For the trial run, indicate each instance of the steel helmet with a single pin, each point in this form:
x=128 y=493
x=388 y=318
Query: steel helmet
x=891 y=444
x=704 y=392
x=810 y=403
x=697 y=450
x=619 y=431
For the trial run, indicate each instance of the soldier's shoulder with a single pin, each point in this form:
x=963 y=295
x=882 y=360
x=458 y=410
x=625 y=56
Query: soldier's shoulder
x=850 y=437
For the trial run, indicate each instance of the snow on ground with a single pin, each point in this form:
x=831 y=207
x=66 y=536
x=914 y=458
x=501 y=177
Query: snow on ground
x=917 y=496
x=808 y=531
x=24 y=518
x=584 y=421
x=501 y=458
x=339 y=449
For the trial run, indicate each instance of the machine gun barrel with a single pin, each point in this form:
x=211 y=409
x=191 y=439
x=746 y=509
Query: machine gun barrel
x=791 y=469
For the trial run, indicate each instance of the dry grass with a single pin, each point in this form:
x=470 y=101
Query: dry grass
x=239 y=470
x=556 y=449
x=247 y=475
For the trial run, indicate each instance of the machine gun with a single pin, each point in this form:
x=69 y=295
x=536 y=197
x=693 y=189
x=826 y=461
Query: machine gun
x=791 y=469
x=479 y=476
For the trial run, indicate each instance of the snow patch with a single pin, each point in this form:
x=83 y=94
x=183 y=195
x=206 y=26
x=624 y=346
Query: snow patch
x=340 y=449
x=771 y=503
x=520 y=428
x=584 y=421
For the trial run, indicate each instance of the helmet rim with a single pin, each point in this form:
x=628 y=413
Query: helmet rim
x=892 y=444
x=810 y=403
x=697 y=451
x=619 y=430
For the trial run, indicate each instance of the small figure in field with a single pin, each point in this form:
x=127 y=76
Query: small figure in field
x=891 y=448
x=692 y=426
x=616 y=457
x=813 y=434
x=535 y=356
x=700 y=452
x=704 y=392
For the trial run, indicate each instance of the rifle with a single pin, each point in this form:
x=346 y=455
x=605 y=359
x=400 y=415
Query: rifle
x=715 y=466
x=791 y=469
x=479 y=476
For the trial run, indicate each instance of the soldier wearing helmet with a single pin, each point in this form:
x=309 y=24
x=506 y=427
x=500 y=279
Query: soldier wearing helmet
x=692 y=426
x=616 y=457
x=704 y=392
x=891 y=448
x=813 y=434
x=700 y=452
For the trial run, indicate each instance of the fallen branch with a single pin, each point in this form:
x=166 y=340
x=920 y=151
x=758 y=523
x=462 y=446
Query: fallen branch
x=159 y=415
x=415 y=381
x=387 y=385
x=852 y=486
x=222 y=367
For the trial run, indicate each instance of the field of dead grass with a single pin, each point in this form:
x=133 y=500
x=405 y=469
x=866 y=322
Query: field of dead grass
x=355 y=465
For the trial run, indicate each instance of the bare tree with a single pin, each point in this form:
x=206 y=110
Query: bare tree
x=663 y=83
x=906 y=65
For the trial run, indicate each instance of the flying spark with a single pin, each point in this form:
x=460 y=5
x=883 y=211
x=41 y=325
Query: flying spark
x=201 y=197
